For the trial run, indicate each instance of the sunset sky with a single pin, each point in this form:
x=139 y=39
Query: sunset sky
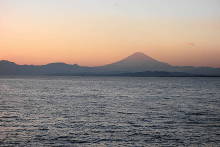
x=98 y=32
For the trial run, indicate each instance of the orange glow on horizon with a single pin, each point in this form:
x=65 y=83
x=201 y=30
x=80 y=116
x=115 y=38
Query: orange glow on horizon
x=99 y=39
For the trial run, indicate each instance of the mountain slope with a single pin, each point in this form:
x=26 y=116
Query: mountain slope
x=139 y=62
x=136 y=62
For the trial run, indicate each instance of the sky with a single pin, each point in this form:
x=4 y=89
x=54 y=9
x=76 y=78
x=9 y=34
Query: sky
x=98 y=32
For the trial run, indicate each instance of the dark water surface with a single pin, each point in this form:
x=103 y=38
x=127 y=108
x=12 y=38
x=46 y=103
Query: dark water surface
x=109 y=111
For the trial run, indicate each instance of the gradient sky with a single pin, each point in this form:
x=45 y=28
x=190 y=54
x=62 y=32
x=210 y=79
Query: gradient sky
x=97 y=32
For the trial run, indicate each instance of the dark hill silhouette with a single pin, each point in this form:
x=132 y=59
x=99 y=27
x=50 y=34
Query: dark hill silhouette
x=158 y=74
x=7 y=67
x=10 y=68
x=137 y=64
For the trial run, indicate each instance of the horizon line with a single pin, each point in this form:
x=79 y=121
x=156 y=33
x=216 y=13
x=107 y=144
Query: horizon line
x=76 y=64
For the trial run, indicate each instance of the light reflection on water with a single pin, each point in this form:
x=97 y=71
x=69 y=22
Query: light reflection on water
x=109 y=111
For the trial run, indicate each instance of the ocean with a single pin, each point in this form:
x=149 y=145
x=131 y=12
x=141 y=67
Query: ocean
x=109 y=111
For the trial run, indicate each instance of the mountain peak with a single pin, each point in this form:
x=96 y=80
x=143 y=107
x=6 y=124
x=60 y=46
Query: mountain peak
x=139 y=56
x=136 y=62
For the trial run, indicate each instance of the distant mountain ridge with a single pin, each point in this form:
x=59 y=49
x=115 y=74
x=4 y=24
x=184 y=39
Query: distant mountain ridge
x=137 y=64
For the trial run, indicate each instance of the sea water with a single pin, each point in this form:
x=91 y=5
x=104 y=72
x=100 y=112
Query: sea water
x=109 y=111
